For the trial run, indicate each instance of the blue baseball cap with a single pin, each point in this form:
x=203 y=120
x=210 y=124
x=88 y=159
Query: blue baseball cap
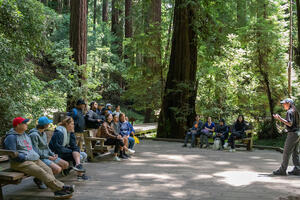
x=44 y=121
x=287 y=100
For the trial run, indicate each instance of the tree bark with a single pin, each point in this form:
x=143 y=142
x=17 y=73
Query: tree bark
x=116 y=28
x=297 y=52
x=128 y=19
x=95 y=16
x=178 y=104
x=241 y=12
x=78 y=38
x=105 y=11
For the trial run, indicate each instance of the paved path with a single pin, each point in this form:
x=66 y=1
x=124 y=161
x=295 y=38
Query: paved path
x=163 y=170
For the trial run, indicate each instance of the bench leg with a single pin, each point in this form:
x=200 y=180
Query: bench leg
x=1 y=193
x=249 y=145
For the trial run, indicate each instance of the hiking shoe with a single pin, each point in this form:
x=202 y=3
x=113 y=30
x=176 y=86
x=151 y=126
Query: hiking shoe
x=294 y=172
x=130 y=151
x=39 y=183
x=79 y=168
x=69 y=188
x=279 y=173
x=66 y=172
x=62 y=194
x=82 y=177
x=128 y=156
x=184 y=145
x=116 y=158
x=123 y=156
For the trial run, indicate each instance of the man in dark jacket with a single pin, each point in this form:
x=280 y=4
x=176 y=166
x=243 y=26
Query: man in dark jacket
x=28 y=161
x=92 y=118
x=77 y=114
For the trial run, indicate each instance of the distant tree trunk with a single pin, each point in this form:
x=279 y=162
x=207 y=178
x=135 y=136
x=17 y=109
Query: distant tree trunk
x=117 y=28
x=105 y=11
x=67 y=4
x=78 y=39
x=95 y=15
x=262 y=63
x=241 y=12
x=59 y=6
x=178 y=105
x=297 y=52
x=152 y=56
x=45 y=2
x=128 y=19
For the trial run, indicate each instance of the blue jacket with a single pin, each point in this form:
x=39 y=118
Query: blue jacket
x=126 y=128
x=57 y=142
x=79 y=120
x=22 y=144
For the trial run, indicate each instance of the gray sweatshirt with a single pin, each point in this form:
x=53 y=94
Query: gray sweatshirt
x=22 y=144
x=39 y=141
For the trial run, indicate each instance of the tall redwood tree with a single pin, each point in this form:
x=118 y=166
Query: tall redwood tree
x=178 y=105
x=78 y=39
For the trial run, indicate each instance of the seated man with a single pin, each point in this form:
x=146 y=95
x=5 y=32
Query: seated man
x=194 y=131
x=117 y=111
x=222 y=132
x=126 y=131
x=109 y=107
x=40 y=144
x=77 y=114
x=206 y=132
x=63 y=143
x=99 y=109
x=27 y=160
x=116 y=124
x=92 y=119
x=132 y=133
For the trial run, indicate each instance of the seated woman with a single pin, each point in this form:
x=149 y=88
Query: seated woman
x=193 y=132
x=222 y=131
x=238 y=132
x=63 y=143
x=28 y=161
x=206 y=132
x=39 y=141
x=126 y=130
x=113 y=138
x=116 y=124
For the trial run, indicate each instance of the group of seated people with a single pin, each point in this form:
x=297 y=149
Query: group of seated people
x=207 y=130
x=35 y=157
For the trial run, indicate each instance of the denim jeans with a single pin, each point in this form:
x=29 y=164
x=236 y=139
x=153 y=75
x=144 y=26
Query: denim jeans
x=191 y=134
x=131 y=142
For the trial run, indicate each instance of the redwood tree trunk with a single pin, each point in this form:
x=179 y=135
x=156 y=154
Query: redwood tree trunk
x=128 y=19
x=78 y=38
x=297 y=52
x=116 y=28
x=178 y=104
x=105 y=11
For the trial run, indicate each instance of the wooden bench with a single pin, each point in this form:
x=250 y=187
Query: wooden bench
x=248 y=140
x=9 y=176
x=94 y=144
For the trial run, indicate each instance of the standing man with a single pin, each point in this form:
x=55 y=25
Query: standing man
x=92 y=119
x=292 y=141
x=77 y=114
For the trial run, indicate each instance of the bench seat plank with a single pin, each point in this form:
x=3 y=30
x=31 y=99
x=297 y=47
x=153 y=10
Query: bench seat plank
x=11 y=176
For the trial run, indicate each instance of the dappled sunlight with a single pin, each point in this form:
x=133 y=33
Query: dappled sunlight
x=180 y=158
x=255 y=157
x=155 y=177
x=222 y=163
x=244 y=178
x=135 y=164
x=202 y=176
x=178 y=194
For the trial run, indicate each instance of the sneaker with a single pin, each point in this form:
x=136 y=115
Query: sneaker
x=69 y=188
x=62 y=194
x=123 y=156
x=82 y=177
x=294 y=172
x=66 y=172
x=184 y=145
x=116 y=158
x=79 y=168
x=130 y=151
x=232 y=150
x=204 y=146
x=39 y=183
x=128 y=156
x=279 y=173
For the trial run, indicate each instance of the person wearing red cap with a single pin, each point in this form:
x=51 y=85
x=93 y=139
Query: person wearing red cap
x=28 y=161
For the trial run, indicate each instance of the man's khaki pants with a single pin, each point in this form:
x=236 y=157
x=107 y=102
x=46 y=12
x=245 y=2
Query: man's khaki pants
x=39 y=170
